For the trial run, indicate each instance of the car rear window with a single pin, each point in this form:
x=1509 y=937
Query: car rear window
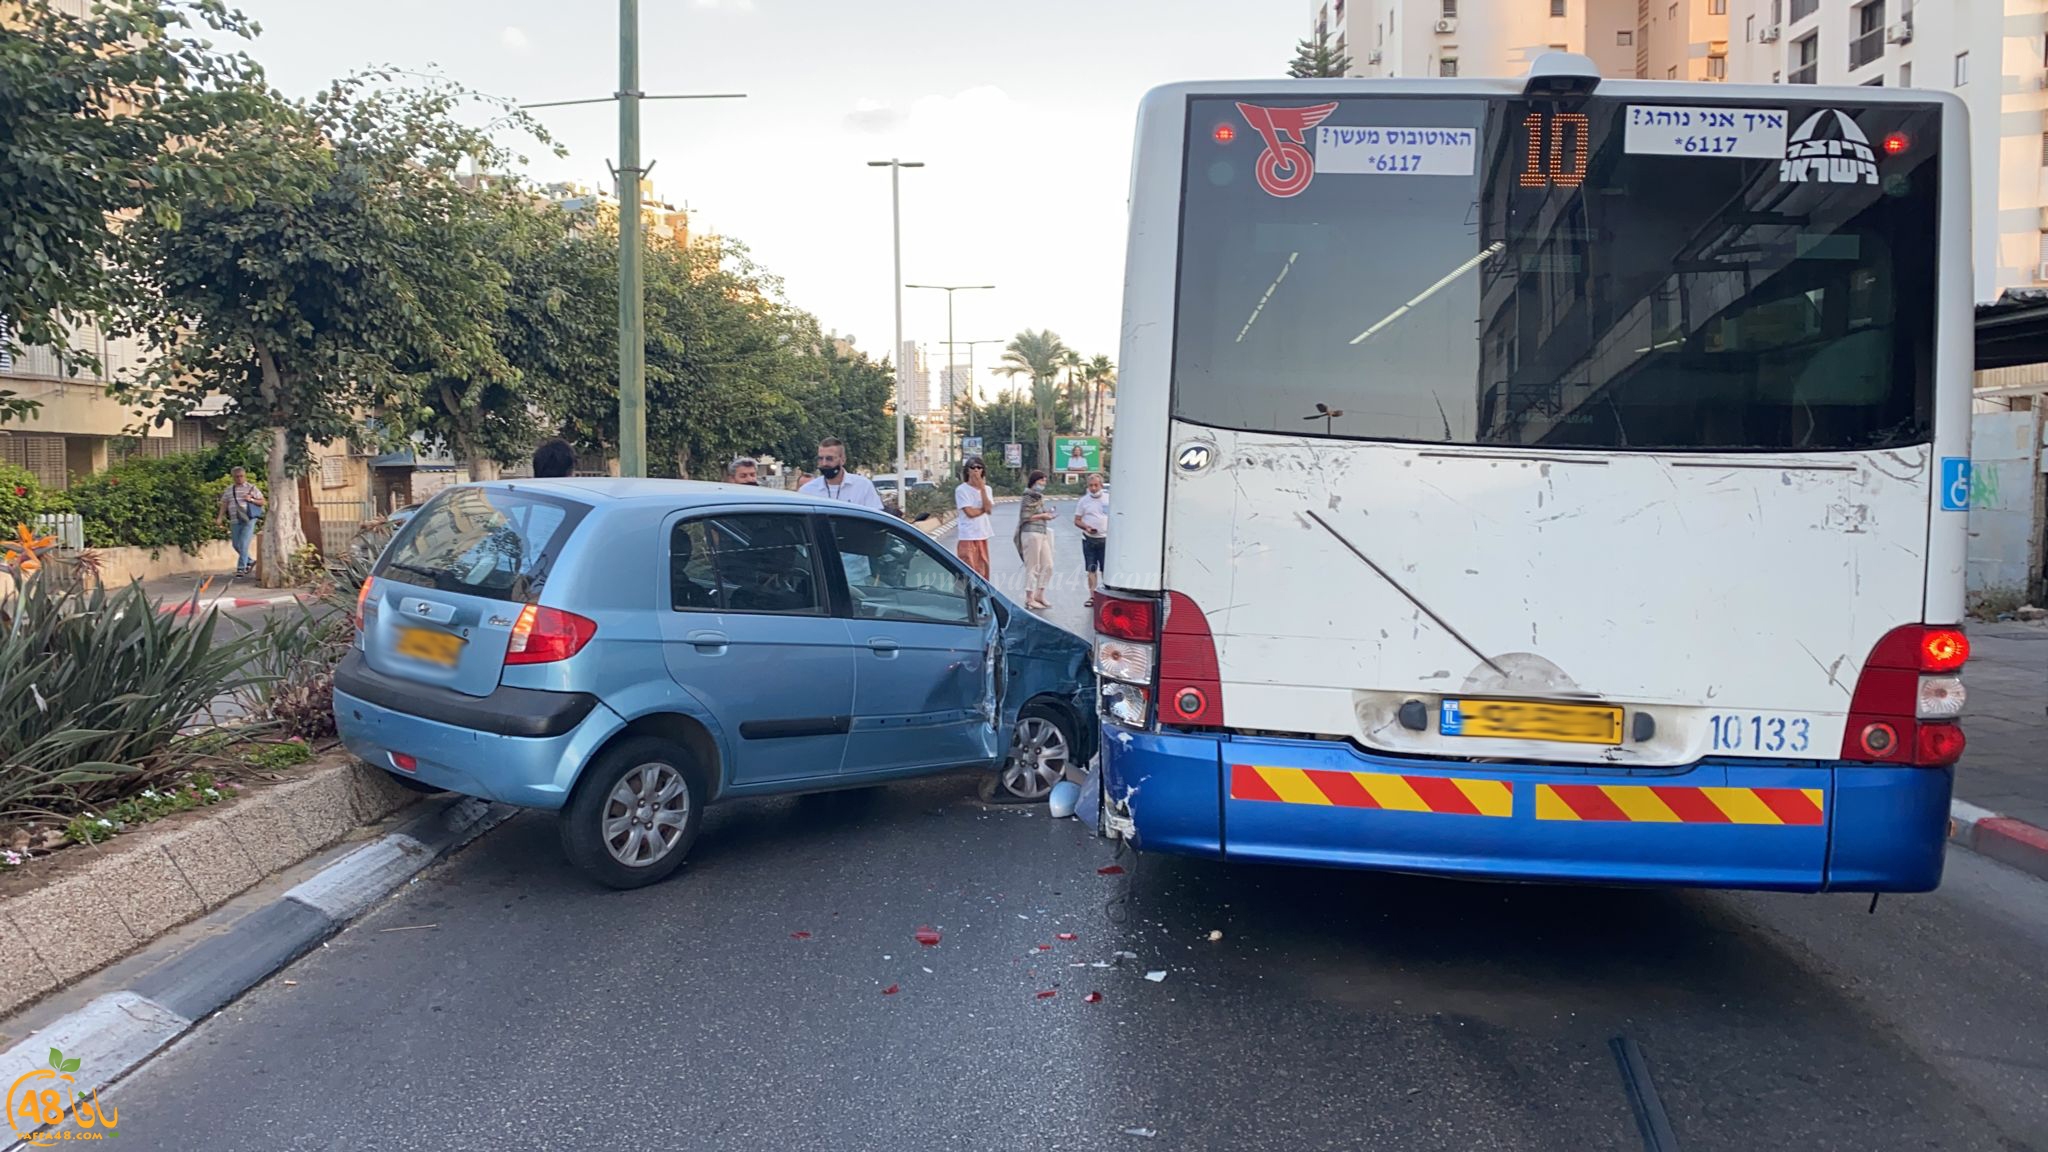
x=490 y=542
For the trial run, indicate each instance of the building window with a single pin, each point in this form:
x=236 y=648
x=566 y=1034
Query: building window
x=1962 y=69
x=1905 y=75
x=1805 y=60
x=1717 y=67
x=1717 y=7
x=1777 y=11
x=1801 y=9
x=1450 y=8
x=1867 y=47
x=1674 y=12
x=2044 y=149
x=1625 y=39
x=1448 y=66
x=1557 y=7
x=1340 y=10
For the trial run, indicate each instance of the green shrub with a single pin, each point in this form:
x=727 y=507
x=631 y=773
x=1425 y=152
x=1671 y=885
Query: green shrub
x=19 y=497
x=157 y=501
x=94 y=689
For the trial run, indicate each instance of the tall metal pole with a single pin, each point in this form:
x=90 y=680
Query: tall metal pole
x=632 y=334
x=902 y=374
x=949 y=382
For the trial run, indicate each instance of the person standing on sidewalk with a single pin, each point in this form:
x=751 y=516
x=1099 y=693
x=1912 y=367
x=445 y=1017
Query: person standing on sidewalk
x=1034 y=541
x=554 y=459
x=834 y=482
x=976 y=507
x=241 y=506
x=743 y=470
x=1091 y=516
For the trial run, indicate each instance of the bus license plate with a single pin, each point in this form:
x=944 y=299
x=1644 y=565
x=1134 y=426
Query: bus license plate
x=1530 y=720
x=433 y=647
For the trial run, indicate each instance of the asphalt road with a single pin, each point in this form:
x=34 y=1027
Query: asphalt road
x=503 y=1002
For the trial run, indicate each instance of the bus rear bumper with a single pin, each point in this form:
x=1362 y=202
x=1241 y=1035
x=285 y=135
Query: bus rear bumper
x=1728 y=823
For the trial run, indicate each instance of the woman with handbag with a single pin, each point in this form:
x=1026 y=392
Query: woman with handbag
x=1034 y=541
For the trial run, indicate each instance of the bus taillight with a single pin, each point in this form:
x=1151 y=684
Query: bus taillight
x=1190 y=682
x=1125 y=619
x=1907 y=698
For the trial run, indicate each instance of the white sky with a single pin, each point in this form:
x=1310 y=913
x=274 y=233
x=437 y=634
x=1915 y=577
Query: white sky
x=1022 y=112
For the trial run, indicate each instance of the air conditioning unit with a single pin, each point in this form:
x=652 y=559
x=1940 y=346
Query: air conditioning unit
x=1372 y=57
x=1899 y=33
x=1769 y=35
x=1447 y=24
x=2041 y=273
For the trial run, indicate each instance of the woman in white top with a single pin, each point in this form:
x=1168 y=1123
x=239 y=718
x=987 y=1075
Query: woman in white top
x=977 y=509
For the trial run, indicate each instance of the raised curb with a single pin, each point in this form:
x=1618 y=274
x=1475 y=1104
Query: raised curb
x=2002 y=838
x=115 y=1033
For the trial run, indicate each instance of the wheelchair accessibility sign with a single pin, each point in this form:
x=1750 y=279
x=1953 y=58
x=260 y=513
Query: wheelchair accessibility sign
x=1955 y=483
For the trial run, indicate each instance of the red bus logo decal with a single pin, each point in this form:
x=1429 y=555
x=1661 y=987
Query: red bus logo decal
x=1286 y=166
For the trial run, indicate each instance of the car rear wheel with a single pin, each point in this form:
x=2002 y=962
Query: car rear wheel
x=634 y=814
x=1041 y=750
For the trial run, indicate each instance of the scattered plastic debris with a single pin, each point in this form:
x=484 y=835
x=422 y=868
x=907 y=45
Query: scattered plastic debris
x=891 y=990
x=1068 y=936
x=291 y=983
x=1100 y=964
x=1044 y=948
x=1048 y=994
x=1156 y=976
x=408 y=928
x=928 y=936
x=1143 y=1133
x=799 y=935
x=1123 y=956
x=927 y=971
x=1111 y=870
x=1215 y=934
x=1060 y=804
x=1092 y=998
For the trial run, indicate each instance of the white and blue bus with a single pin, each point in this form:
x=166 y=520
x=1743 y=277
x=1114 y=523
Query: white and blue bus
x=1549 y=478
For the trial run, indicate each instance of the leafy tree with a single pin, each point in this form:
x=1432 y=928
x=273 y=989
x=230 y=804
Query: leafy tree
x=331 y=292
x=103 y=115
x=1099 y=375
x=851 y=397
x=1315 y=58
x=545 y=305
x=1038 y=356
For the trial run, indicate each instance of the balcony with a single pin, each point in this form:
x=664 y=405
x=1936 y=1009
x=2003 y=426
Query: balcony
x=1866 y=49
x=1804 y=74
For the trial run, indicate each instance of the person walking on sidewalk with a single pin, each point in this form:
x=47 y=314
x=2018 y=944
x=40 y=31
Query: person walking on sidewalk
x=1091 y=516
x=241 y=506
x=1034 y=541
x=976 y=506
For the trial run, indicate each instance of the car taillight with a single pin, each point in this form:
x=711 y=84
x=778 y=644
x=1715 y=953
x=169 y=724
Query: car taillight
x=363 y=598
x=545 y=635
x=1907 y=698
x=1190 y=683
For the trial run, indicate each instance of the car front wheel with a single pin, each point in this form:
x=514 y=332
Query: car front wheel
x=635 y=814
x=1040 y=752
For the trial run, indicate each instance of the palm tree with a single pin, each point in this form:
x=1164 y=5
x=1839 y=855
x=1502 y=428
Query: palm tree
x=1039 y=355
x=1100 y=376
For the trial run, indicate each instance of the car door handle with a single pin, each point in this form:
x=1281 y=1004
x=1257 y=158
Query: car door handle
x=708 y=641
x=883 y=646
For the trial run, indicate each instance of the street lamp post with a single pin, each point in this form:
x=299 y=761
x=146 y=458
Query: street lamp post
x=973 y=393
x=949 y=289
x=896 y=168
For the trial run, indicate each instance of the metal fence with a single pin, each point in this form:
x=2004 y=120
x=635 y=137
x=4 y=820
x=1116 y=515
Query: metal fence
x=340 y=520
x=67 y=527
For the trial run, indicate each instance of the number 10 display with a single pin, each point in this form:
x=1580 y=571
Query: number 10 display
x=1564 y=129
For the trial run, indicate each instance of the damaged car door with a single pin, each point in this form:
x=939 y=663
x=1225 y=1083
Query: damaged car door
x=923 y=637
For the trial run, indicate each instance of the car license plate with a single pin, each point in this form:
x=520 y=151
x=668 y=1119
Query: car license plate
x=1531 y=720
x=433 y=647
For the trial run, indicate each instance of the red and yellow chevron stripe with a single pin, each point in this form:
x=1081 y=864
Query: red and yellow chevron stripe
x=1649 y=803
x=1394 y=793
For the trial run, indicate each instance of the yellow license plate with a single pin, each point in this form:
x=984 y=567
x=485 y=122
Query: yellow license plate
x=433 y=647
x=1530 y=720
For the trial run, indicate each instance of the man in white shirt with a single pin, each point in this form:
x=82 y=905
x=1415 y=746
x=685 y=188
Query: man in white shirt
x=1091 y=516
x=834 y=482
x=977 y=511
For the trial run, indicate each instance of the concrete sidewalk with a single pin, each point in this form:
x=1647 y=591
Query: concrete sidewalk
x=2005 y=768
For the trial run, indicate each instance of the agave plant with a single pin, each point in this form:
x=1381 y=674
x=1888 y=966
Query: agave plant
x=95 y=689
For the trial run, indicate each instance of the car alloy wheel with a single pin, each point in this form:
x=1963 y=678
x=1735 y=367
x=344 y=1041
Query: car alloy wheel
x=645 y=815
x=1039 y=754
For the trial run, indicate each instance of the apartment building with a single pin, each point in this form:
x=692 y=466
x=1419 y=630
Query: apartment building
x=917 y=380
x=1649 y=39
x=1992 y=53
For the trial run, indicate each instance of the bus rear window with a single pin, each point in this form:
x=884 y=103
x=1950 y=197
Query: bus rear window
x=489 y=542
x=1531 y=273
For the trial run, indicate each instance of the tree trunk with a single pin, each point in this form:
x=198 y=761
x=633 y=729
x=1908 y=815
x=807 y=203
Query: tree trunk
x=482 y=468
x=682 y=462
x=283 y=535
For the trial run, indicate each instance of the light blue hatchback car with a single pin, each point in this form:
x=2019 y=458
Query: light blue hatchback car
x=628 y=651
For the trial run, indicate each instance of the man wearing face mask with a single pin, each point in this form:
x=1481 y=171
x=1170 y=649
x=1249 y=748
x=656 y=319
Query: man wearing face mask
x=834 y=482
